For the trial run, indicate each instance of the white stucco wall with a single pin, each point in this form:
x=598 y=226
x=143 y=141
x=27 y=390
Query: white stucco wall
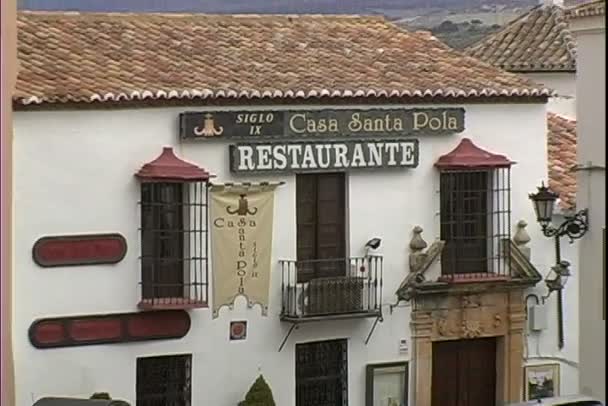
x=590 y=34
x=74 y=174
x=542 y=347
x=564 y=83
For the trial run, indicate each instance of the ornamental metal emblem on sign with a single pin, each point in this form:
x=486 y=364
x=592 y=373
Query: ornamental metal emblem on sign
x=208 y=129
x=243 y=207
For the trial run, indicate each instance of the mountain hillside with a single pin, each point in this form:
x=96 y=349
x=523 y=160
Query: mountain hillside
x=391 y=8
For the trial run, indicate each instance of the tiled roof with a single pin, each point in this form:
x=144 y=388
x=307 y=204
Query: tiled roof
x=593 y=8
x=538 y=41
x=561 y=140
x=72 y=57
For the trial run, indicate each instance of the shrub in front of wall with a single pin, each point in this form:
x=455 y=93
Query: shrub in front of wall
x=101 y=395
x=259 y=394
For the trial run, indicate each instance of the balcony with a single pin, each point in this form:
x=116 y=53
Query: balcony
x=480 y=260
x=331 y=288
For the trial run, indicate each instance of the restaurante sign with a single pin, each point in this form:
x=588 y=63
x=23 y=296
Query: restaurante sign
x=314 y=156
x=320 y=123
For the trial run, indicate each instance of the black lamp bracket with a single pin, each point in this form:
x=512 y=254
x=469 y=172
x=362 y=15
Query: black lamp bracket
x=574 y=227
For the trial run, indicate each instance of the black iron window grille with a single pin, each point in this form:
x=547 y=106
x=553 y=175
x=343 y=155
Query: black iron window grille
x=164 y=381
x=475 y=217
x=174 y=241
x=322 y=373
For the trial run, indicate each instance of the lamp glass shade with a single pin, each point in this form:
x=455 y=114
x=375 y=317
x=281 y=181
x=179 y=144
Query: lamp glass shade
x=563 y=279
x=563 y=272
x=558 y=276
x=544 y=203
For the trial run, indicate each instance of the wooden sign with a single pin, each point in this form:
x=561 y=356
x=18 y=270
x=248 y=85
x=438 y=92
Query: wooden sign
x=323 y=156
x=73 y=250
x=326 y=124
x=108 y=328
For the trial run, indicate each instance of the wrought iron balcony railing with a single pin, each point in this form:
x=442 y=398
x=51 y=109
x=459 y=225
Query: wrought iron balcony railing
x=326 y=288
x=462 y=261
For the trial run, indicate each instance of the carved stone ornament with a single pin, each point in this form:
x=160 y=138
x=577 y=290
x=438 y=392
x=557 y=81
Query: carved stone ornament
x=497 y=320
x=442 y=327
x=417 y=245
x=471 y=328
x=420 y=259
x=521 y=238
x=471 y=301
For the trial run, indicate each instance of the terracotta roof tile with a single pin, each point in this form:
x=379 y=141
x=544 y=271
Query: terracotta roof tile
x=72 y=57
x=590 y=9
x=538 y=41
x=561 y=139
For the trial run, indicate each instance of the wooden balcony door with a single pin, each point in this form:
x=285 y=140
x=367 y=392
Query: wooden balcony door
x=464 y=373
x=321 y=225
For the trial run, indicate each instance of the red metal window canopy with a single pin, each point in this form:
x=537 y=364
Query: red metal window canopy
x=169 y=168
x=469 y=156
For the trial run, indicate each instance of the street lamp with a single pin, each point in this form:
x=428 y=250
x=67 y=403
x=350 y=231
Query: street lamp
x=574 y=227
x=544 y=203
x=557 y=278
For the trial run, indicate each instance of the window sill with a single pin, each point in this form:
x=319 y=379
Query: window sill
x=171 y=303
x=473 y=278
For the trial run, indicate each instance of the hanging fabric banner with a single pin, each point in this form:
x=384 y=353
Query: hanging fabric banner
x=241 y=242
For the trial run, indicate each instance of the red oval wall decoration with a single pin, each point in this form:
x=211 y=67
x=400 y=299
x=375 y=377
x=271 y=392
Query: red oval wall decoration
x=155 y=324
x=109 y=328
x=96 y=329
x=86 y=249
x=50 y=332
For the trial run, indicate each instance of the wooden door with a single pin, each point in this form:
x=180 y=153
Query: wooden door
x=321 y=225
x=464 y=373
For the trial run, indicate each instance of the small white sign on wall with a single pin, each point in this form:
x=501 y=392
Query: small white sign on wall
x=403 y=345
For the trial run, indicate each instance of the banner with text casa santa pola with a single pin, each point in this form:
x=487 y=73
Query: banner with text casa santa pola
x=241 y=244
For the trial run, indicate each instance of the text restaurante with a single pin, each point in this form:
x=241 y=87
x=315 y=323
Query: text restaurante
x=332 y=155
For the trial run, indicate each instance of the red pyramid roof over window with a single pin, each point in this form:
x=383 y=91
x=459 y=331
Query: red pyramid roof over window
x=168 y=167
x=468 y=155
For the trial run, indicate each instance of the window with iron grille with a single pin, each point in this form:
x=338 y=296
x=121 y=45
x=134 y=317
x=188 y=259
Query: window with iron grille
x=322 y=373
x=164 y=380
x=475 y=216
x=174 y=243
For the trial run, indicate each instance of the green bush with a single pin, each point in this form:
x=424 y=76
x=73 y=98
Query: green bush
x=106 y=396
x=101 y=395
x=259 y=394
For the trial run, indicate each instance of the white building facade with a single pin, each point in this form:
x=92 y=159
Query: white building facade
x=588 y=24
x=91 y=306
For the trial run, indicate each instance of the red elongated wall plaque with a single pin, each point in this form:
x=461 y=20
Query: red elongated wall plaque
x=109 y=328
x=85 y=249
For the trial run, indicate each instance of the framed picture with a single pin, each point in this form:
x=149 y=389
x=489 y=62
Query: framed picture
x=387 y=384
x=541 y=381
x=238 y=330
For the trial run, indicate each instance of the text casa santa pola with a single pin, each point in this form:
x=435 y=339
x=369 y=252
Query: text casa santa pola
x=284 y=141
